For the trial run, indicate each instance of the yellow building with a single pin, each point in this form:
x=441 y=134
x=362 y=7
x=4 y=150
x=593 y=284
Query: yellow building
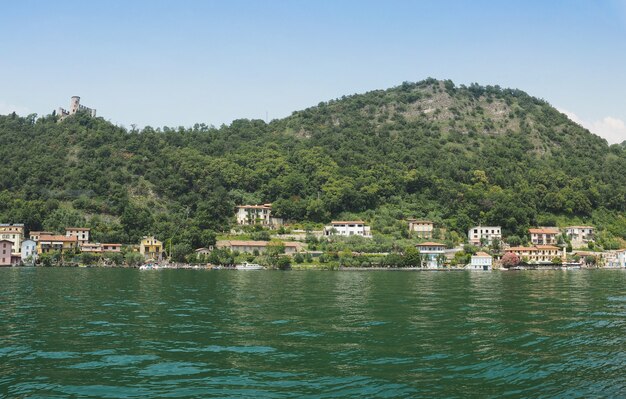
x=13 y=233
x=421 y=228
x=538 y=253
x=151 y=248
x=47 y=243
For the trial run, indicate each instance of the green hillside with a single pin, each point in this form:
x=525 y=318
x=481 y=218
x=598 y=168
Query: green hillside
x=457 y=155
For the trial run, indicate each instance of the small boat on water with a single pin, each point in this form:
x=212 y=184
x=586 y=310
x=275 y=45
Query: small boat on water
x=249 y=266
x=149 y=266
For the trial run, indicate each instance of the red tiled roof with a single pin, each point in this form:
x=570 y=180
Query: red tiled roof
x=57 y=238
x=484 y=254
x=77 y=229
x=545 y=230
x=546 y=247
x=431 y=244
x=347 y=222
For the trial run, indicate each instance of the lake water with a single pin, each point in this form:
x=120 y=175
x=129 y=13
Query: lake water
x=110 y=333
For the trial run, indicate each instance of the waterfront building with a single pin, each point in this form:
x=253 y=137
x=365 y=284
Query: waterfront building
x=432 y=254
x=91 y=248
x=47 y=243
x=248 y=215
x=13 y=233
x=16 y=259
x=599 y=258
x=29 y=252
x=5 y=252
x=540 y=254
x=151 y=248
x=81 y=234
x=100 y=248
x=259 y=246
x=544 y=235
x=621 y=258
x=348 y=228
x=580 y=236
x=481 y=261
x=421 y=228
x=484 y=235
x=111 y=247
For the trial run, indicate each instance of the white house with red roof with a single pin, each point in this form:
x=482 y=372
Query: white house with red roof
x=480 y=261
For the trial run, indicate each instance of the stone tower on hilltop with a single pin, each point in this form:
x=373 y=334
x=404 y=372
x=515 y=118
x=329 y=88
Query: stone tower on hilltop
x=74 y=108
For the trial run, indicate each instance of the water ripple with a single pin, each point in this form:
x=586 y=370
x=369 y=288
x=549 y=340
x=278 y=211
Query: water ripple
x=110 y=333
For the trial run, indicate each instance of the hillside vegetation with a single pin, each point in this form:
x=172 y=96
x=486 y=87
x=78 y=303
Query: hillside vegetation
x=458 y=155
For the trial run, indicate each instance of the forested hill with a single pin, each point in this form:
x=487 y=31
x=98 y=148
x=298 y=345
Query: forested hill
x=458 y=155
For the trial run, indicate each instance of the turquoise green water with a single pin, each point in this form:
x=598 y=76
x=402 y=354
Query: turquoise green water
x=109 y=333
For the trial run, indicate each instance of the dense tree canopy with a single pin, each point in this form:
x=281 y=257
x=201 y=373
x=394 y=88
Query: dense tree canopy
x=457 y=155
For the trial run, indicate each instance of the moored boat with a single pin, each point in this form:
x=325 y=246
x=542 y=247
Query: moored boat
x=249 y=266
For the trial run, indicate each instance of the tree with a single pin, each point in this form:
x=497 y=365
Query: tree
x=275 y=248
x=557 y=260
x=496 y=245
x=591 y=260
x=45 y=259
x=441 y=260
x=412 y=257
x=470 y=249
x=514 y=241
x=180 y=252
x=510 y=259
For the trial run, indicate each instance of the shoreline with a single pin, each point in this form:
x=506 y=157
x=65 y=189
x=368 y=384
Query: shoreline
x=321 y=268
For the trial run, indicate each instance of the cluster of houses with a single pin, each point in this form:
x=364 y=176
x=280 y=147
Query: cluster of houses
x=545 y=246
x=16 y=249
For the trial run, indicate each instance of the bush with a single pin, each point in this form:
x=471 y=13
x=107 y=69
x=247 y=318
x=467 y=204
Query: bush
x=283 y=262
x=133 y=259
x=510 y=260
x=87 y=258
x=115 y=257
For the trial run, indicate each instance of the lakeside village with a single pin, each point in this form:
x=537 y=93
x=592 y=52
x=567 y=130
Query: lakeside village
x=485 y=248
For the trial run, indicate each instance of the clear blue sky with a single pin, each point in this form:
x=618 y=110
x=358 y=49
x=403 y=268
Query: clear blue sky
x=181 y=62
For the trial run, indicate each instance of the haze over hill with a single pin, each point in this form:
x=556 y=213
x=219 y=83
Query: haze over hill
x=459 y=155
